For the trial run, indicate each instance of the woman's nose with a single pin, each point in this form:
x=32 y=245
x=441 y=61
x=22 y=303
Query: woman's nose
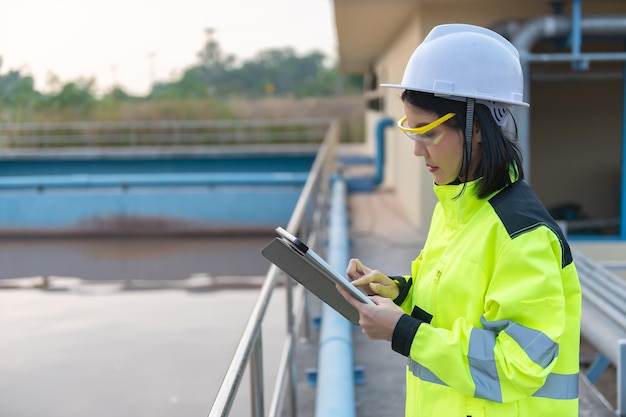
x=419 y=148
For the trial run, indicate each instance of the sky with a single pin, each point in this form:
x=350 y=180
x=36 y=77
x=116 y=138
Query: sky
x=132 y=43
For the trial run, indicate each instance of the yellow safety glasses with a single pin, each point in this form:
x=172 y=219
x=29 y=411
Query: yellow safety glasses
x=425 y=133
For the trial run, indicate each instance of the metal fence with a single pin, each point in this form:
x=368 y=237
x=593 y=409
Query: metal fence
x=307 y=221
x=604 y=320
x=162 y=133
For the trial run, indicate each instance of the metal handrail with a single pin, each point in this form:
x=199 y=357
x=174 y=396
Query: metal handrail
x=603 y=321
x=306 y=221
x=603 y=293
x=162 y=133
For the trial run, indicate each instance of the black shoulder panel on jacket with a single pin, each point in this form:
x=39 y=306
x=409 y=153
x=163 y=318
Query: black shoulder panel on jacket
x=521 y=211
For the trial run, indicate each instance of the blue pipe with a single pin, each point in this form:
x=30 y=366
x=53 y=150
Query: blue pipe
x=335 y=379
x=380 y=148
x=577 y=15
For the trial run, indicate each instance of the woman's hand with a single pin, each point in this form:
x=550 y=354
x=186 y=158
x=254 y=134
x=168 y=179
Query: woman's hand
x=371 y=281
x=377 y=320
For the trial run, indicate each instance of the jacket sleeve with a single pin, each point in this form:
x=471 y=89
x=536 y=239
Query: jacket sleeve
x=405 y=283
x=510 y=352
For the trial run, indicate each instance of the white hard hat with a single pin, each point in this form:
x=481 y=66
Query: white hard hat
x=457 y=61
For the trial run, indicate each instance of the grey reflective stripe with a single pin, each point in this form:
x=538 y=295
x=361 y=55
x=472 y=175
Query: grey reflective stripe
x=423 y=373
x=539 y=347
x=560 y=387
x=482 y=364
x=557 y=386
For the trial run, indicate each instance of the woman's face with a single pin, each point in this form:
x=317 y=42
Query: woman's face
x=444 y=159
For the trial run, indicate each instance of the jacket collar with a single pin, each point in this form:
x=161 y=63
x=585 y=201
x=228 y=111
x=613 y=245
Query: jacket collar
x=459 y=205
x=459 y=211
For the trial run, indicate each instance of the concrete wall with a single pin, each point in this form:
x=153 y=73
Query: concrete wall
x=404 y=171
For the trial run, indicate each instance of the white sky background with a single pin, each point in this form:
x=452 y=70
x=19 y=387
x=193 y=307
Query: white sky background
x=130 y=42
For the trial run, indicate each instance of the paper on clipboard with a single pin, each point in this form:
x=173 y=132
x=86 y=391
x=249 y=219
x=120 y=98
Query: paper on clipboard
x=296 y=259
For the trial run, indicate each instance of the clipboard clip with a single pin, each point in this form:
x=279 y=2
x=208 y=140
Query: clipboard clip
x=297 y=243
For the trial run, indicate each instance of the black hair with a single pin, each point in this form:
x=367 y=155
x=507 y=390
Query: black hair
x=499 y=153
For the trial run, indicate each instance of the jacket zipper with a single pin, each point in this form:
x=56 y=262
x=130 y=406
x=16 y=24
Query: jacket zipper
x=433 y=293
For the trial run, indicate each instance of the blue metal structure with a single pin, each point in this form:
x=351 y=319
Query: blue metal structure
x=368 y=183
x=60 y=194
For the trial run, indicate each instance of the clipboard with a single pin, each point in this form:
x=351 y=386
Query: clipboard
x=300 y=262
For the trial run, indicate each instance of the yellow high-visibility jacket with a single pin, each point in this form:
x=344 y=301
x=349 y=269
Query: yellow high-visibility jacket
x=493 y=308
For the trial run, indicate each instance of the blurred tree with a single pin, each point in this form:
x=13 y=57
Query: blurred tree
x=17 y=90
x=117 y=93
x=278 y=72
x=18 y=97
x=191 y=84
x=77 y=96
x=215 y=65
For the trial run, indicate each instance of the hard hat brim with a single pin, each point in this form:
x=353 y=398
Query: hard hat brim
x=459 y=98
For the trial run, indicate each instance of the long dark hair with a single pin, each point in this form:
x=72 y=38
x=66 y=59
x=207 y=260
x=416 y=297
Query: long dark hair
x=499 y=153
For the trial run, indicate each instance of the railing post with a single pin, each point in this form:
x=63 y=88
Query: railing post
x=306 y=332
x=621 y=378
x=256 y=377
x=291 y=333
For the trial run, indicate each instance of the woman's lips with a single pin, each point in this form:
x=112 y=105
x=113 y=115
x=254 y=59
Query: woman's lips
x=431 y=168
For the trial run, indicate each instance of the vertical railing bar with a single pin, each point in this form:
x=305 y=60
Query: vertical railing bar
x=230 y=384
x=291 y=335
x=287 y=362
x=305 y=336
x=256 y=377
x=621 y=379
x=279 y=388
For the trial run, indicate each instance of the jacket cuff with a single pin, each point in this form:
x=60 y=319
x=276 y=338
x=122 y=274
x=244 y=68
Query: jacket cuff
x=404 y=286
x=404 y=333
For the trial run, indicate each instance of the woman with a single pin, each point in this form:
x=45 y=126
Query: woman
x=489 y=317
